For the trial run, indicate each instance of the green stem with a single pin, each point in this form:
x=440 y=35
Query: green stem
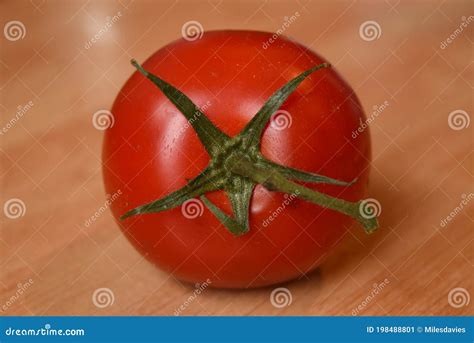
x=299 y=175
x=254 y=128
x=275 y=181
x=210 y=136
x=237 y=166
x=205 y=182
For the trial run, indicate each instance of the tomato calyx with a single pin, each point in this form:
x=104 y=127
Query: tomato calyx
x=237 y=165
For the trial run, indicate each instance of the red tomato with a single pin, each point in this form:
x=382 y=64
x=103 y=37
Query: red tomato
x=151 y=151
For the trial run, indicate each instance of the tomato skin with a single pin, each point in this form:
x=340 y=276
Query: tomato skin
x=151 y=151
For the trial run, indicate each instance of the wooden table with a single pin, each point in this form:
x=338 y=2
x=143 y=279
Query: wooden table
x=50 y=156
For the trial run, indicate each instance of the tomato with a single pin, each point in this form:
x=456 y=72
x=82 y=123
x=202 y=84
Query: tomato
x=151 y=150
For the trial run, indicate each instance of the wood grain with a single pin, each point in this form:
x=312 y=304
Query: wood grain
x=50 y=157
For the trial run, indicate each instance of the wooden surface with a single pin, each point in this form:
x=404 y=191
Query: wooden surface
x=50 y=157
